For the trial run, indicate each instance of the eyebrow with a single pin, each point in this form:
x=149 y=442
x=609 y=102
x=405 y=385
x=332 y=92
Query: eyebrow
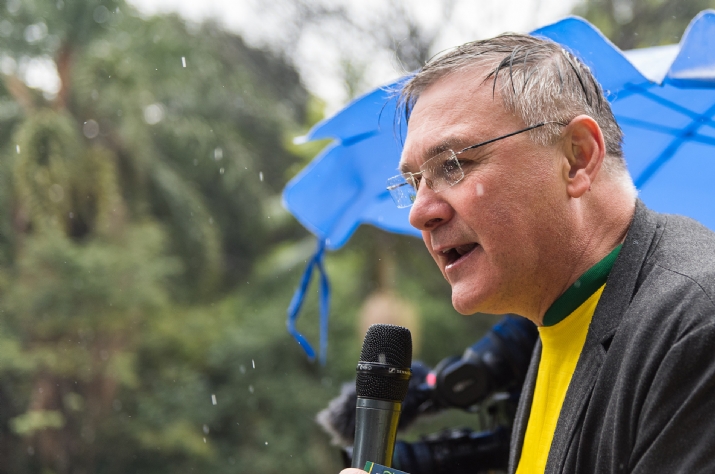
x=434 y=150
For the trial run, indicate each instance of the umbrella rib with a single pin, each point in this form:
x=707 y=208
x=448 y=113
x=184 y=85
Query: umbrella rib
x=669 y=152
x=663 y=129
x=648 y=125
x=349 y=141
x=703 y=118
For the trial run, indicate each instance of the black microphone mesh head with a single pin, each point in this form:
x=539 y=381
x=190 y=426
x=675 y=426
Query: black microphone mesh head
x=390 y=345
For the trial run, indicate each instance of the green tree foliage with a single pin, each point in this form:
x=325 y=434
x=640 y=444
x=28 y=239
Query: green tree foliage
x=71 y=318
x=642 y=23
x=146 y=181
x=194 y=119
x=146 y=265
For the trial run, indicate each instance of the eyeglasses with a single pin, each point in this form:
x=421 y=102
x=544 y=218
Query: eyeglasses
x=440 y=172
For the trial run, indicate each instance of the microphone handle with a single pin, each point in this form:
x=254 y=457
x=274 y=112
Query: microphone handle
x=375 y=431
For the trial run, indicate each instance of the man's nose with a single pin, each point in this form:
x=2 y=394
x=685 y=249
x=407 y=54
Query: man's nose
x=429 y=210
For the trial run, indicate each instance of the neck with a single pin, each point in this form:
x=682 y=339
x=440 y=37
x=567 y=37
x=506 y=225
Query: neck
x=600 y=220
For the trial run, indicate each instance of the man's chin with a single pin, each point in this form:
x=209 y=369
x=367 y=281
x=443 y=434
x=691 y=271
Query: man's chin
x=466 y=300
x=466 y=306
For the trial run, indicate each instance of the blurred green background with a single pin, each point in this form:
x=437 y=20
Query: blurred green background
x=146 y=263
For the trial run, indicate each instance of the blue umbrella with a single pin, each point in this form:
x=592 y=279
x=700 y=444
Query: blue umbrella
x=663 y=98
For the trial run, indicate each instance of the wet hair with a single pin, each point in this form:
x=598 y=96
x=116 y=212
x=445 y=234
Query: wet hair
x=537 y=79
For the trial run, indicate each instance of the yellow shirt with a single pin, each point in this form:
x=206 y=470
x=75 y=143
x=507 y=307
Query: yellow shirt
x=561 y=347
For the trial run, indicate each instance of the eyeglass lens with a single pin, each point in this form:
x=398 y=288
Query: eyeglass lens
x=439 y=173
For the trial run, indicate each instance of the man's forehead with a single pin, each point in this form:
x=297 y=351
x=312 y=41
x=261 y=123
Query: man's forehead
x=454 y=112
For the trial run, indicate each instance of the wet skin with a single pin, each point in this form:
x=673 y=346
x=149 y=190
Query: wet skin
x=499 y=235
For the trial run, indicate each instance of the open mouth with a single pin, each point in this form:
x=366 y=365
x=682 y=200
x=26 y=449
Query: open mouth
x=454 y=254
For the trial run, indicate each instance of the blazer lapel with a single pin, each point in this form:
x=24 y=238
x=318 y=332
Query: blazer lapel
x=523 y=410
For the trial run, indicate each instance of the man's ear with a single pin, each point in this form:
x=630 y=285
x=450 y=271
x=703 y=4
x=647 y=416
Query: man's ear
x=585 y=151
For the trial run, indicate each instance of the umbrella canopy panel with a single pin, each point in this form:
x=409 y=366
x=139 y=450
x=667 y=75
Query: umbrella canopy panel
x=344 y=186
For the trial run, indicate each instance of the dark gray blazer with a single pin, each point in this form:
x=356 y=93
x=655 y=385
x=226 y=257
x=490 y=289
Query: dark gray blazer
x=642 y=398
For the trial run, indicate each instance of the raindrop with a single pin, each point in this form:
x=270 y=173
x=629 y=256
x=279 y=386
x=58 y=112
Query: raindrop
x=90 y=129
x=623 y=12
x=577 y=284
x=71 y=215
x=260 y=175
x=17 y=148
x=60 y=4
x=101 y=14
x=35 y=33
x=254 y=363
x=206 y=429
x=153 y=114
x=204 y=440
x=242 y=369
x=250 y=388
x=213 y=399
x=13 y=6
x=221 y=171
x=183 y=61
x=218 y=153
x=266 y=443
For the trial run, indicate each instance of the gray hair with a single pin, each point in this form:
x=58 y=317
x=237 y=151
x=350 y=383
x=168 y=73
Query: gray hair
x=538 y=80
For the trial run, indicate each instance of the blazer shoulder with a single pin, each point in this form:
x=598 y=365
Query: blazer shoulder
x=687 y=248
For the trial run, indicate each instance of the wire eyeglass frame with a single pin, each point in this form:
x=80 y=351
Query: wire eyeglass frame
x=440 y=172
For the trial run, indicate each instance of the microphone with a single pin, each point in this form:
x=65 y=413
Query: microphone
x=383 y=375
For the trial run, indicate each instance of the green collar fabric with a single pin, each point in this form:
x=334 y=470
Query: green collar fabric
x=581 y=290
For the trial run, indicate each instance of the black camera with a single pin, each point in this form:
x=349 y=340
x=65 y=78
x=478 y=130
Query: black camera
x=493 y=368
x=454 y=451
x=496 y=363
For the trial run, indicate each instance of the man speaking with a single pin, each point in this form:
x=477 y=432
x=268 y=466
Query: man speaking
x=514 y=170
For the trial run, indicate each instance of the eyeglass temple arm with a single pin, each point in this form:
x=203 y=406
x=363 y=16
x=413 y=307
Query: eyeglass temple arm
x=540 y=124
